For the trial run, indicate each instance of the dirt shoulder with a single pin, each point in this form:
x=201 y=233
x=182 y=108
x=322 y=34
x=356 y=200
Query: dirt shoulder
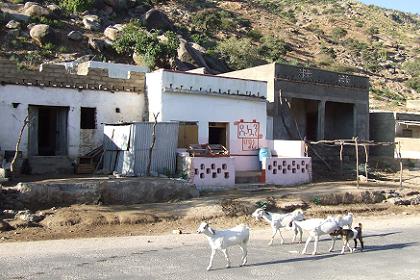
x=80 y=221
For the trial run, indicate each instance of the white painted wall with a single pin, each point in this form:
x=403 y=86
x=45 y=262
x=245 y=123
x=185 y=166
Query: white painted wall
x=204 y=107
x=287 y=148
x=211 y=173
x=131 y=109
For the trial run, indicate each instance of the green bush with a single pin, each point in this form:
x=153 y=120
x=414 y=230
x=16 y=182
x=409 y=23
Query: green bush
x=254 y=34
x=238 y=53
x=414 y=83
x=338 y=33
x=75 y=6
x=412 y=67
x=328 y=51
x=373 y=30
x=273 y=48
x=135 y=38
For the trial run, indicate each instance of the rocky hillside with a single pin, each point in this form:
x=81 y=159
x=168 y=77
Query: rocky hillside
x=339 y=35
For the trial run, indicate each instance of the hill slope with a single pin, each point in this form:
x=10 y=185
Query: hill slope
x=340 y=35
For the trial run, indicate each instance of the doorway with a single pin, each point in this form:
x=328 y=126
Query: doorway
x=48 y=130
x=218 y=133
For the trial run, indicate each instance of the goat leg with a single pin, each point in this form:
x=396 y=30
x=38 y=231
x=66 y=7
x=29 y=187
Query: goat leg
x=333 y=243
x=244 y=254
x=225 y=252
x=274 y=231
x=306 y=244
x=213 y=252
x=315 y=244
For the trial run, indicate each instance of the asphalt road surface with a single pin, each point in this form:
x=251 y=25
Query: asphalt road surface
x=390 y=254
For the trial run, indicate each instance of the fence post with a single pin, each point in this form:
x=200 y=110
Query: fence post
x=357 y=161
x=366 y=161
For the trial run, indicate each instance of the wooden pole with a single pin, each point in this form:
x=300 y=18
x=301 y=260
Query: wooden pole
x=401 y=163
x=341 y=157
x=357 y=161
x=366 y=161
x=15 y=156
x=149 y=162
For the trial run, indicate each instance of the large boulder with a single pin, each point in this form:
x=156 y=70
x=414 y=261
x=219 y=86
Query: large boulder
x=75 y=36
x=42 y=33
x=36 y=11
x=55 y=10
x=92 y=22
x=112 y=32
x=187 y=54
x=13 y=24
x=156 y=19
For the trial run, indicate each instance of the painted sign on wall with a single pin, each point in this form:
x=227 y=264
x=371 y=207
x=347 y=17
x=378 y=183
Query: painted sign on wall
x=249 y=133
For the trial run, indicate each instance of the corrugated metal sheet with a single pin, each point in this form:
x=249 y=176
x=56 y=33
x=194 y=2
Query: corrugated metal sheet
x=133 y=161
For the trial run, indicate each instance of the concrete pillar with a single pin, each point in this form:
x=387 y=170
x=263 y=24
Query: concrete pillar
x=321 y=120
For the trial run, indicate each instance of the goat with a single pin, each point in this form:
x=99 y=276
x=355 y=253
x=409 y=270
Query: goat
x=316 y=228
x=347 y=235
x=278 y=221
x=222 y=239
x=346 y=220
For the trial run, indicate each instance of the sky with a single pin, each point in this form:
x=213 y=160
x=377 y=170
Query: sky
x=412 y=6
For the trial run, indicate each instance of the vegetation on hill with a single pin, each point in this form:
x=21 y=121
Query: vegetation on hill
x=338 y=35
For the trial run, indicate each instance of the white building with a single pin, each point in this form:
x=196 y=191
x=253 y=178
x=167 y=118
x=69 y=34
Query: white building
x=66 y=111
x=212 y=110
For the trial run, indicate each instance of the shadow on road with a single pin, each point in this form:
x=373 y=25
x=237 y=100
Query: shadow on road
x=372 y=248
x=381 y=234
x=293 y=260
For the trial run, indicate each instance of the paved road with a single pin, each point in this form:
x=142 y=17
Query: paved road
x=390 y=254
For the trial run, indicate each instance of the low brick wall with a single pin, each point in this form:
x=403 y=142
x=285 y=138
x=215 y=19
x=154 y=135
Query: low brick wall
x=287 y=171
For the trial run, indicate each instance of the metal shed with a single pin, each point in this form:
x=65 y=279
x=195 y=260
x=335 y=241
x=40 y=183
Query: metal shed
x=126 y=148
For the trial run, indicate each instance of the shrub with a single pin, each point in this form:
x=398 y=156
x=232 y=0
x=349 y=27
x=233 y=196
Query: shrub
x=273 y=48
x=135 y=38
x=238 y=53
x=414 y=83
x=373 y=30
x=75 y=6
x=328 y=51
x=210 y=20
x=412 y=67
x=254 y=34
x=338 y=33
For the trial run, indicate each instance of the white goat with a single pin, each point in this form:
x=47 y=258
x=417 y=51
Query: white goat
x=316 y=228
x=346 y=220
x=278 y=221
x=222 y=239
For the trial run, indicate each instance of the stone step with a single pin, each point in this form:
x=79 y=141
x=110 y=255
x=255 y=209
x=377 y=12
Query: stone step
x=51 y=165
x=248 y=177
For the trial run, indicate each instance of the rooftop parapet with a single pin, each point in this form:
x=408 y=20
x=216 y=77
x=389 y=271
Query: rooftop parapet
x=54 y=75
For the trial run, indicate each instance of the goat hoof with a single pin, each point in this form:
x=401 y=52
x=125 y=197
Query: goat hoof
x=228 y=266
x=208 y=268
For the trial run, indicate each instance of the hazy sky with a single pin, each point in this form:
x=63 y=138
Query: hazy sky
x=412 y=6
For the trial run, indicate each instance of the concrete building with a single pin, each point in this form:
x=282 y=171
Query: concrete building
x=212 y=110
x=66 y=111
x=396 y=127
x=312 y=103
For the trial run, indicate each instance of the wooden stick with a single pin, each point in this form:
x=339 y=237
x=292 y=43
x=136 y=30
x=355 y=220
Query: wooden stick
x=12 y=164
x=149 y=162
x=401 y=163
x=366 y=161
x=357 y=161
x=341 y=158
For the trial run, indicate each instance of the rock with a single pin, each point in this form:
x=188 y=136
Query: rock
x=55 y=10
x=13 y=32
x=399 y=201
x=293 y=205
x=29 y=26
x=5 y=226
x=27 y=216
x=176 y=231
x=156 y=19
x=137 y=11
x=117 y=4
x=36 y=11
x=112 y=32
x=415 y=201
x=13 y=24
x=96 y=44
x=42 y=33
x=75 y=36
x=91 y=22
x=29 y=4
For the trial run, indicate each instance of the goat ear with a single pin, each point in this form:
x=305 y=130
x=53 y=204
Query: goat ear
x=211 y=230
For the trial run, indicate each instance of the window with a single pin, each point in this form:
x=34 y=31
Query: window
x=87 y=118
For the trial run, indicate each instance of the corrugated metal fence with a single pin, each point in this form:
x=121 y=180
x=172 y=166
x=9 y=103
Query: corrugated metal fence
x=127 y=148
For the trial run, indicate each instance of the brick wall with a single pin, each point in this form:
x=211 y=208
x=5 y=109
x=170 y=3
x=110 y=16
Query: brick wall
x=52 y=75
